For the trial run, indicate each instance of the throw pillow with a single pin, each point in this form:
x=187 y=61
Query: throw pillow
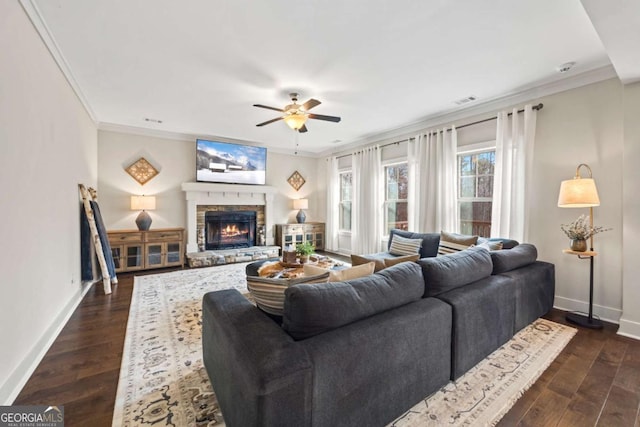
x=352 y=273
x=341 y=275
x=452 y=242
x=388 y=262
x=490 y=245
x=312 y=270
x=363 y=259
x=403 y=246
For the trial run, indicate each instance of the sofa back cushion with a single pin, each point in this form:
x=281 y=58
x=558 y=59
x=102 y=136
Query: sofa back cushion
x=430 y=241
x=451 y=271
x=313 y=309
x=519 y=256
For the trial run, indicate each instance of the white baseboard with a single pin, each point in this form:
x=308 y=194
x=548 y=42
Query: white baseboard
x=608 y=314
x=19 y=377
x=629 y=329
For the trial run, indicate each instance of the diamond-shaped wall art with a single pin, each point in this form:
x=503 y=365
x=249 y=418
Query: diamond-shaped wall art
x=296 y=180
x=142 y=171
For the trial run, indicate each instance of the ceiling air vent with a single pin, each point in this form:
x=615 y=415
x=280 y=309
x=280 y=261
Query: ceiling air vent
x=466 y=100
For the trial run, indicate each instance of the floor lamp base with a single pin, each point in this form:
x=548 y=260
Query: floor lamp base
x=583 y=320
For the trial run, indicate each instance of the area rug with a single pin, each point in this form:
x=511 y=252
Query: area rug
x=163 y=381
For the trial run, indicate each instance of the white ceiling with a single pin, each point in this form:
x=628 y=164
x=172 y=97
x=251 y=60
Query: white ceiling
x=199 y=65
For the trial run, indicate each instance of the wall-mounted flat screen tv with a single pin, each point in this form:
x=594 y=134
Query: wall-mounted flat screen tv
x=230 y=163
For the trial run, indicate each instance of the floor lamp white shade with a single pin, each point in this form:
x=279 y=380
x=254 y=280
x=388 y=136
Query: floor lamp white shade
x=582 y=193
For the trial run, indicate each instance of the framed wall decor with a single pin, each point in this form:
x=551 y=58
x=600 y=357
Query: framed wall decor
x=296 y=180
x=142 y=171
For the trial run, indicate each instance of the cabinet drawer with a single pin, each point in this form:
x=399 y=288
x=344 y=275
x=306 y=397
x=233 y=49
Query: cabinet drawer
x=163 y=236
x=125 y=237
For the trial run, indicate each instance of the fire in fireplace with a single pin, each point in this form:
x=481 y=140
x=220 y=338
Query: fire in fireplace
x=226 y=230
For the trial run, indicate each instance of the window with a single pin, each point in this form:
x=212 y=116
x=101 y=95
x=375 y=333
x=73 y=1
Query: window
x=396 y=188
x=346 y=179
x=475 y=191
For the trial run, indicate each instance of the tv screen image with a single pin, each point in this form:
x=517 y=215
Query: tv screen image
x=230 y=163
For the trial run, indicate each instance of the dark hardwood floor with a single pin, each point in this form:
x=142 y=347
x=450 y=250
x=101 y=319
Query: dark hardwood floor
x=594 y=381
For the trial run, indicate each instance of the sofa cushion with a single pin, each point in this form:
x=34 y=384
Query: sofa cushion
x=454 y=242
x=451 y=271
x=430 y=241
x=313 y=309
x=403 y=246
x=340 y=275
x=363 y=259
x=521 y=255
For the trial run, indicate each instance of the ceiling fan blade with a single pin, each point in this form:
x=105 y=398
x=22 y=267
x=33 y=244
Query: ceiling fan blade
x=327 y=118
x=303 y=129
x=310 y=104
x=269 y=108
x=269 y=121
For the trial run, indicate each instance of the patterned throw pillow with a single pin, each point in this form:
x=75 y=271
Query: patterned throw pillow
x=404 y=246
x=269 y=293
x=452 y=242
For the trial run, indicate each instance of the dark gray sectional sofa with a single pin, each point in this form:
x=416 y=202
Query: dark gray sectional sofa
x=363 y=352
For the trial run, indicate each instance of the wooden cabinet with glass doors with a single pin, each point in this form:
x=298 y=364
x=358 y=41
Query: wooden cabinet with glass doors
x=141 y=250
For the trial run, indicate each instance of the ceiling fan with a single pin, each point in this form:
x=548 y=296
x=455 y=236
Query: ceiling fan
x=296 y=115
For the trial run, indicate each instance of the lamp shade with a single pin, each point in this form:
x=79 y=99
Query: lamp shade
x=301 y=204
x=295 y=121
x=578 y=193
x=139 y=203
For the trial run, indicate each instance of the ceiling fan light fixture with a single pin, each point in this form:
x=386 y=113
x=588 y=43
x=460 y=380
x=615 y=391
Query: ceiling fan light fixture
x=295 y=121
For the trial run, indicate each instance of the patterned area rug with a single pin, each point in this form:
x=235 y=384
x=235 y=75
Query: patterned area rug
x=163 y=381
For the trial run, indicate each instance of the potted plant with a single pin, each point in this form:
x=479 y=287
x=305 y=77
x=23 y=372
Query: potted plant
x=579 y=231
x=304 y=250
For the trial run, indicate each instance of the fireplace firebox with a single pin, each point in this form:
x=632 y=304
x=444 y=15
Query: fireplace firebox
x=227 y=230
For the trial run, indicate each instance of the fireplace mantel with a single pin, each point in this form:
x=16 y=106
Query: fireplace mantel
x=201 y=193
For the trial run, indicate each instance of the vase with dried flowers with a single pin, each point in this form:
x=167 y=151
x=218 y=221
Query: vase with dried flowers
x=579 y=231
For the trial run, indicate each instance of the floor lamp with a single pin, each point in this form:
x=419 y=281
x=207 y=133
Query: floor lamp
x=582 y=193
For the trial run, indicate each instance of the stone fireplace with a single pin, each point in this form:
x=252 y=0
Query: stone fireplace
x=204 y=197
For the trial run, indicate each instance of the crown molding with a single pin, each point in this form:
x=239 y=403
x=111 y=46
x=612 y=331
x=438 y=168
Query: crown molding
x=191 y=137
x=32 y=11
x=489 y=106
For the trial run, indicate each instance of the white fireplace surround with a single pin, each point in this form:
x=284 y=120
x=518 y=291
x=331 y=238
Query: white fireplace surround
x=201 y=193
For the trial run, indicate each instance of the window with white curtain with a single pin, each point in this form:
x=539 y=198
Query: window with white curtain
x=346 y=188
x=475 y=189
x=396 y=186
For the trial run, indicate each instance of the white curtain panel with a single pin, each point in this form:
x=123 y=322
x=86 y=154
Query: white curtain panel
x=433 y=182
x=515 y=139
x=333 y=201
x=366 y=208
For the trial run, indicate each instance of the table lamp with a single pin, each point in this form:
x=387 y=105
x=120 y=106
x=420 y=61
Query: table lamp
x=144 y=203
x=301 y=204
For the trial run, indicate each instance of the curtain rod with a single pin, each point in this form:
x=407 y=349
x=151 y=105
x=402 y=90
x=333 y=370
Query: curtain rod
x=535 y=107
